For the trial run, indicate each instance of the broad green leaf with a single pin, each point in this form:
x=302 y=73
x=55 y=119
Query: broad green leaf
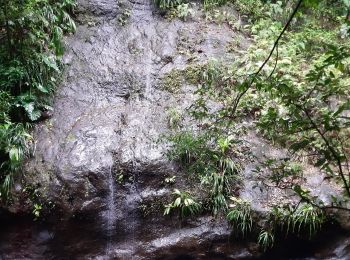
x=41 y=88
x=15 y=154
x=177 y=202
x=50 y=62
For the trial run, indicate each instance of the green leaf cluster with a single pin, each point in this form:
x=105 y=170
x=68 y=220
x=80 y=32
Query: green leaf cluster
x=211 y=161
x=240 y=216
x=31 y=45
x=185 y=203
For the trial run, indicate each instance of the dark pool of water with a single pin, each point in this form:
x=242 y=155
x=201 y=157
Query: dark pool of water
x=23 y=238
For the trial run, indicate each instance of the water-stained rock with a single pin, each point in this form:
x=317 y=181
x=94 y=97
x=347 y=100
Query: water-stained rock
x=98 y=161
x=108 y=115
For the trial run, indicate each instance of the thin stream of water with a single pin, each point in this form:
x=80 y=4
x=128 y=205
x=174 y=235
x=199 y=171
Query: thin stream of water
x=138 y=7
x=148 y=71
x=140 y=10
x=111 y=214
x=133 y=217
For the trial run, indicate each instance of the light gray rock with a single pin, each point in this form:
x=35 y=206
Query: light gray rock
x=108 y=116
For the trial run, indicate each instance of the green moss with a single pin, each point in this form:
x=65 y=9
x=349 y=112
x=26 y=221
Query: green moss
x=172 y=81
x=234 y=45
x=175 y=79
x=71 y=137
x=152 y=207
x=42 y=206
x=192 y=74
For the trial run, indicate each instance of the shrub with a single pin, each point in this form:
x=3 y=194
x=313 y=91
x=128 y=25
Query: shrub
x=30 y=50
x=209 y=161
x=213 y=3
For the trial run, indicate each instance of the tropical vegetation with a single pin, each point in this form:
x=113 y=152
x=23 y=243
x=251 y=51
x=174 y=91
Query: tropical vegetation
x=31 y=45
x=293 y=85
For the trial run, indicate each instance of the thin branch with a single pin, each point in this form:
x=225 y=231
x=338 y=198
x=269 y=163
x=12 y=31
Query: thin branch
x=238 y=98
x=330 y=148
x=274 y=68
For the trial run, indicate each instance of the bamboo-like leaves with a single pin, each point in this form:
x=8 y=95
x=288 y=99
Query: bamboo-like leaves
x=240 y=215
x=185 y=203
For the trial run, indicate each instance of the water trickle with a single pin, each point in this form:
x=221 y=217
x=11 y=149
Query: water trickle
x=134 y=191
x=142 y=19
x=111 y=214
x=148 y=71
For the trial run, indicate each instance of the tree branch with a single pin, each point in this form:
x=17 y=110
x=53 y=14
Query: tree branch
x=334 y=153
x=239 y=97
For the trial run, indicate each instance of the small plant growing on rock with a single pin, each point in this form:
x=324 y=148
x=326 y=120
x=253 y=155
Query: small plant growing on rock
x=307 y=217
x=188 y=149
x=174 y=118
x=211 y=161
x=266 y=239
x=42 y=206
x=123 y=18
x=302 y=219
x=36 y=210
x=119 y=178
x=170 y=180
x=240 y=215
x=185 y=203
x=167 y=4
x=184 y=11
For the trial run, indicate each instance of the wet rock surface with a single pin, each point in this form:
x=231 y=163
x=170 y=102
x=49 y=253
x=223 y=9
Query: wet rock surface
x=109 y=113
x=264 y=194
x=97 y=160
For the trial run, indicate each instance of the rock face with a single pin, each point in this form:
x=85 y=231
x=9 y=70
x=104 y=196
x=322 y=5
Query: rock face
x=109 y=113
x=97 y=160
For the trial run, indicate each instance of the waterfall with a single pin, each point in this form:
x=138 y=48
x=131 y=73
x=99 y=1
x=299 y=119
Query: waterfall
x=148 y=71
x=142 y=19
x=149 y=62
x=133 y=192
x=111 y=213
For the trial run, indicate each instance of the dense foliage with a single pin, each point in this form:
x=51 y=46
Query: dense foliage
x=30 y=50
x=293 y=84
